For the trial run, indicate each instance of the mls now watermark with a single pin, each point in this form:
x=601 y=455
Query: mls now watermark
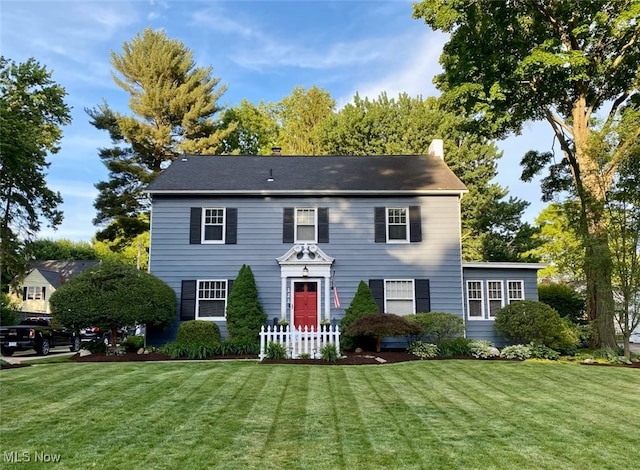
x=26 y=456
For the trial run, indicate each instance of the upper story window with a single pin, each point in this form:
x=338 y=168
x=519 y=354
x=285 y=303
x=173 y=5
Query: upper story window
x=212 y=299
x=306 y=225
x=399 y=297
x=397 y=224
x=34 y=293
x=213 y=225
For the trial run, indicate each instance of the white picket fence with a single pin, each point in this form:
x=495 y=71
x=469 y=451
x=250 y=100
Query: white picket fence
x=297 y=342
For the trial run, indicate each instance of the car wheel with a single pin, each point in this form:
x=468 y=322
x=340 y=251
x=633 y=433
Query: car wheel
x=7 y=352
x=43 y=349
x=76 y=344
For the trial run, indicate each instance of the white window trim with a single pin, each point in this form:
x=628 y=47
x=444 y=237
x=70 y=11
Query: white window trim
x=407 y=225
x=315 y=224
x=519 y=281
x=203 y=226
x=482 y=316
x=502 y=297
x=32 y=291
x=226 y=297
x=413 y=294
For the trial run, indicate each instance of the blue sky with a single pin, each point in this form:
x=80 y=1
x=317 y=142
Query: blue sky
x=259 y=49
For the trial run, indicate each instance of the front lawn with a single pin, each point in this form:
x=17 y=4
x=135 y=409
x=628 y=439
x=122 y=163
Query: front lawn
x=425 y=414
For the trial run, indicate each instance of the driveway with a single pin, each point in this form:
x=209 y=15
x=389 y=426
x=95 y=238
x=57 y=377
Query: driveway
x=23 y=356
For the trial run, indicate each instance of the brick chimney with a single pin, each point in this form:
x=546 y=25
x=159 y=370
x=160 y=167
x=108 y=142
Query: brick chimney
x=436 y=149
x=277 y=151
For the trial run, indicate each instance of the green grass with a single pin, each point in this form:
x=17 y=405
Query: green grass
x=243 y=415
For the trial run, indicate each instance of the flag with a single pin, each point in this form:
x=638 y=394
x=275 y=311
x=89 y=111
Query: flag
x=336 y=296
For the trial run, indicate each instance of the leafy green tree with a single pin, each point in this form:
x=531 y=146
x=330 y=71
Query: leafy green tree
x=9 y=313
x=245 y=314
x=62 y=249
x=255 y=132
x=300 y=117
x=623 y=211
x=492 y=227
x=559 y=246
x=561 y=61
x=32 y=112
x=174 y=104
x=113 y=296
x=438 y=326
x=564 y=299
x=380 y=325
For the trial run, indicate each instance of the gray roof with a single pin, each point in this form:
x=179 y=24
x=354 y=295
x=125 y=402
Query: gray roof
x=58 y=272
x=216 y=174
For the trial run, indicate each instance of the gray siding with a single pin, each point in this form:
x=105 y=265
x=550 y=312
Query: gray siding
x=351 y=243
x=484 y=329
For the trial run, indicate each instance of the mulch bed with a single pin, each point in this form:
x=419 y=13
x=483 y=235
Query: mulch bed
x=12 y=366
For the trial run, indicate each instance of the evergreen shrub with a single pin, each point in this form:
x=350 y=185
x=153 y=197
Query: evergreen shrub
x=198 y=332
x=438 y=326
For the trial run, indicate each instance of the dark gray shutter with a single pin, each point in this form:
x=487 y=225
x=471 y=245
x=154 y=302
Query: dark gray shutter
x=377 y=289
x=188 y=300
x=44 y=290
x=423 y=296
x=415 y=224
x=229 y=286
x=323 y=225
x=287 y=225
x=24 y=293
x=195 y=237
x=231 y=234
x=380 y=223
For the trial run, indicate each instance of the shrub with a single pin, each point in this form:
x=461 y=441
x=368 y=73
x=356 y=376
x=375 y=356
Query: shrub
x=237 y=347
x=530 y=321
x=423 y=350
x=611 y=355
x=539 y=351
x=564 y=299
x=455 y=347
x=133 y=343
x=362 y=304
x=516 y=351
x=329 y=353
x=9 y=313
x=276 y=351
x=483 y=349
x=198 y=332
x=304 y=356
x=439 y=326
x=245 y=314
x=95 y=346
x=380 y=325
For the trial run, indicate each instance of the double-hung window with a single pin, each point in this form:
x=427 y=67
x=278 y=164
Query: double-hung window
x=495 y=296
x=515 y=290
x=306 y=225
x=212 y=299
x=34 y=293
x=400 y=297
x=474 y=299
x=397 y=224
x=213 y=225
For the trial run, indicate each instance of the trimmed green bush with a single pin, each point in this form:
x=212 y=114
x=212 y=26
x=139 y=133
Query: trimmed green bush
x=362 y=304
x=423 y=350
x=529 y=321
x=455 y=347
x=189 y=350
x=482 y=349
x=133 y=343
x=198 y=332
x=238 y=347
x=380 y=325
x=539 y=351
x=564 y=299
x=438 y=326
x=245 y=314
x=94 y=346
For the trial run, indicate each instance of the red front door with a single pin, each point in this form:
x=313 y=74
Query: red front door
x=305 y=305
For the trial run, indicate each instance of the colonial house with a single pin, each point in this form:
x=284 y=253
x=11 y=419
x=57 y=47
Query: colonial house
x=42 y=280
x=311 y=228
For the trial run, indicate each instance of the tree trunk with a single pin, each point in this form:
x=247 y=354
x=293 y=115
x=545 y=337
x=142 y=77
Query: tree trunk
x=599 y=302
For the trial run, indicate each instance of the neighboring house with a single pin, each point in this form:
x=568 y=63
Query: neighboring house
x=43 y=279
x=311 y=228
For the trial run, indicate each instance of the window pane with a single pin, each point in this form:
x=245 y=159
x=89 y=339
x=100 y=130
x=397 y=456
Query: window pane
x=211 y=308
x=213 y=224
x=213 y=232
x=397 y=223
x=494 y=306
x=397 y=232
x=515 y=291
x=400 y=307
x=306 y=232
x=475 y=308
x=306 y=225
